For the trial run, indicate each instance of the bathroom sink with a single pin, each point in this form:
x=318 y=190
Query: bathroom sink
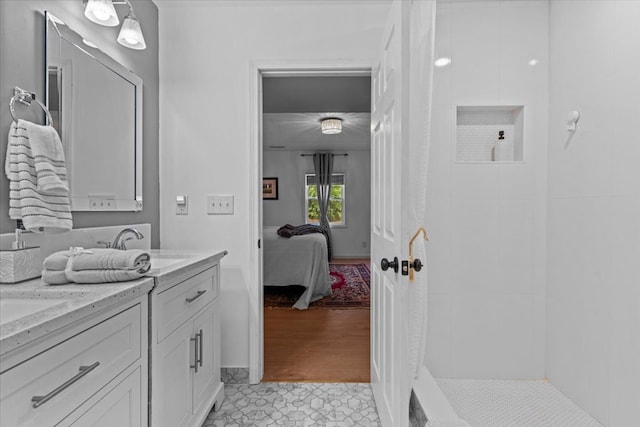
x=16 y=308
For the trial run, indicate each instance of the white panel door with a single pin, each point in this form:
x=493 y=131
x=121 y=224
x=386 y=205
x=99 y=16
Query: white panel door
x=389 y=151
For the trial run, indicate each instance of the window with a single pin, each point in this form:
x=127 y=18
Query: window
x=336 y=203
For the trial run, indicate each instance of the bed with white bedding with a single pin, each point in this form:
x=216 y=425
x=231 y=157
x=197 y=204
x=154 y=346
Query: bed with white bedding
x=297 y=260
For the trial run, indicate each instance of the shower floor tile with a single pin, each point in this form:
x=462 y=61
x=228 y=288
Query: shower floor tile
x=296 y=404
x=496 y=403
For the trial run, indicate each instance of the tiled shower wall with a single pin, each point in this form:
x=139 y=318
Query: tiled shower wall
x=593 y=291
x=487 y=221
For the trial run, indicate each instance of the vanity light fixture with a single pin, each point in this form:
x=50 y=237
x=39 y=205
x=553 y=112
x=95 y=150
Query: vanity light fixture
x=331 y=126
x=103 y=12
x=131 y=34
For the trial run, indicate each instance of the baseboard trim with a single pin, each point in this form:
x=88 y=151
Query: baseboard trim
x=348 y=256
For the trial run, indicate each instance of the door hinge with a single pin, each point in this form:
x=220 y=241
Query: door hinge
x=259 y=244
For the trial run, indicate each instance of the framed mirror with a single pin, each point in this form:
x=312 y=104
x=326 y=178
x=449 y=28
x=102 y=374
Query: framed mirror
x=96 y=105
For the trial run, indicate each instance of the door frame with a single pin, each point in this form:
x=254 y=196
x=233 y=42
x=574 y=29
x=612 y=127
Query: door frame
x=260 y=69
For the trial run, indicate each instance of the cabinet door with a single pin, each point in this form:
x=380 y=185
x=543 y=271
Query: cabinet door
x=171 y=405
x=120 y=407
x=205 y=326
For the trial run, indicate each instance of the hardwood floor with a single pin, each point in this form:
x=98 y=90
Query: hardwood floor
x=317 y=345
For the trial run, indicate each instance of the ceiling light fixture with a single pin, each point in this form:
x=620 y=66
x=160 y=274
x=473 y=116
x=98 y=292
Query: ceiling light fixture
x=331 y=126
x=103 y=12
x=442 y=62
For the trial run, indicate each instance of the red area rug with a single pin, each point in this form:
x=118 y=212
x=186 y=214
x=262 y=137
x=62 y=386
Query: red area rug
x=350 y=287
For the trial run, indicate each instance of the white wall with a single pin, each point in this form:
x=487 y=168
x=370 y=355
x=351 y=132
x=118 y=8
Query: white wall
x=486 y=222
x=206 y=51
x=352 y=240
x=593 y=292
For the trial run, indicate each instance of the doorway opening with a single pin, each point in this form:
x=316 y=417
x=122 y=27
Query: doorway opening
x=326 y=338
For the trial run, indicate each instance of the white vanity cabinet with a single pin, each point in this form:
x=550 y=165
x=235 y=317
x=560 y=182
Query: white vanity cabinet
x=93 y=372
x=185 y=347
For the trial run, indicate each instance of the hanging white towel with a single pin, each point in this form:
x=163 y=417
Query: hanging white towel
x=48 y=155
x=38 y=189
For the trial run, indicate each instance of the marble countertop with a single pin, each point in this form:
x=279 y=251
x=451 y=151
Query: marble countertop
x=69 y=303
x=66 y=304
x=172 y=270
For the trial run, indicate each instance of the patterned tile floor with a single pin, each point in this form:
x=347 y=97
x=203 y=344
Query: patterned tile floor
x=482 y=403
x=296 y=404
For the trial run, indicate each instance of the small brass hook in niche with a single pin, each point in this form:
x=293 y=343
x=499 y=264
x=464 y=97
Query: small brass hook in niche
x=415 y=265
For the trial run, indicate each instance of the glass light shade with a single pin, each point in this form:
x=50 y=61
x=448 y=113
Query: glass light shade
x=101 y=12
x=331 y=126
x=131 y=34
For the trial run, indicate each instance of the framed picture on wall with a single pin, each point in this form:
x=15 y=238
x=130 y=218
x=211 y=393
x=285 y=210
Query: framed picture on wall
x=270 y=188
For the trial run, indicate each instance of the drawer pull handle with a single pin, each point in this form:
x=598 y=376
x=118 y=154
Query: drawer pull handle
x=198 y=295
x=84 y=370
x=199 y=334
x=195 y=353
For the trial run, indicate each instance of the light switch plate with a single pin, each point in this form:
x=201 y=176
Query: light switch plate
x=182 y=205
x=220 y=205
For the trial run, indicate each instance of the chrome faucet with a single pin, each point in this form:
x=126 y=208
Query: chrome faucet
x=118 y=242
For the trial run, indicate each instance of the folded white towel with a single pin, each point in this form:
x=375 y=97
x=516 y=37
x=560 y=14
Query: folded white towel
x=38 y=189
x=100 y=259
x=89 y=276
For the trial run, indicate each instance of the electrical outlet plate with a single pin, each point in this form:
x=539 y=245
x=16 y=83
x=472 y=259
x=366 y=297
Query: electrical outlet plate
x=220 y=205
x=101 y=203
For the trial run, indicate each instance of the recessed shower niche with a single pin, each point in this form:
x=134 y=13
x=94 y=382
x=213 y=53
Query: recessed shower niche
x=489 y=134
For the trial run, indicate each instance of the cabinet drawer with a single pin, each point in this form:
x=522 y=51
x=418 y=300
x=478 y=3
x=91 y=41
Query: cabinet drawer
x=102 y=351
x=121 y=406
x=178 y=303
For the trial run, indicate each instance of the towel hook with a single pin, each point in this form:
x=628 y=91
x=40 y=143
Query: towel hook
x=25 y=97
x=415 y=264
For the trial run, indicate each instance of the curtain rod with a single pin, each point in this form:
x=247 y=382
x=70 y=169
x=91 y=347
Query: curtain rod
x=311 y=155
